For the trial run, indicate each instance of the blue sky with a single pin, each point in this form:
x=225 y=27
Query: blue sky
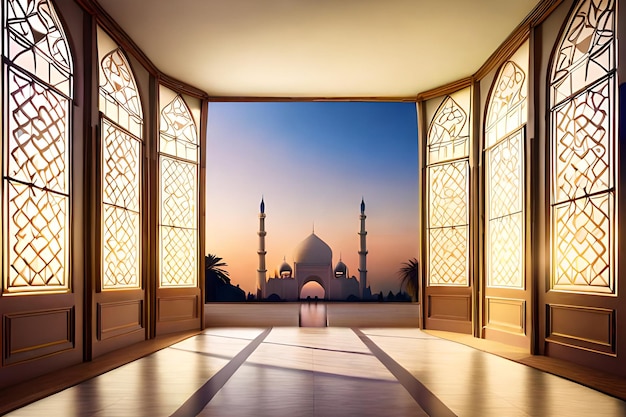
x=312 y=162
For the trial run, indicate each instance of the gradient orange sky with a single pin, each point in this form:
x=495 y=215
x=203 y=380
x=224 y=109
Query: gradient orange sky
x=312 y=163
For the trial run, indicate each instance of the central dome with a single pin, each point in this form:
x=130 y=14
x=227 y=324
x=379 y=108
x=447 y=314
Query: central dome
x=313 y=250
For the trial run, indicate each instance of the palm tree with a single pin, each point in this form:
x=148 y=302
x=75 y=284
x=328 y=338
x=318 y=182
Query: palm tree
x=214 y=277
x=213 y=268
x=409 y=276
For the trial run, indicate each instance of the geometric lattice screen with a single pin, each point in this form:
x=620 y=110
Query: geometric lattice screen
x=178 y=165
x=582 y=116
x=121 y=125
x=448 y=183
x=36 y=136
x=504 y=174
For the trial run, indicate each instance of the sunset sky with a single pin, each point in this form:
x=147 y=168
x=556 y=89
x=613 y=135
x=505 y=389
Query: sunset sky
x=312 y=163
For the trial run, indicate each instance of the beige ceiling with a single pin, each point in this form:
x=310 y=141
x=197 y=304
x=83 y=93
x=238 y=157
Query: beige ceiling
x=318 y=48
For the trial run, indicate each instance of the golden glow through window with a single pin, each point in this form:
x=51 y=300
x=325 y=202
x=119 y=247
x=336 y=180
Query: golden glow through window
x=582 y=139
x=504 y=173
x=121 y=129
x=178 y=162
x=36 y=104
x=448 y=182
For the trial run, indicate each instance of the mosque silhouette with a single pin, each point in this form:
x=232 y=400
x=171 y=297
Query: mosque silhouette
x=313 y=260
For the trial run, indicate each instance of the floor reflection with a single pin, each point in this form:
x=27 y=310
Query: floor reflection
x=313 y=314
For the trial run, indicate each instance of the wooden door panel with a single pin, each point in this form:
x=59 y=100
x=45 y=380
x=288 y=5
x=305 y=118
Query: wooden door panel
x=178 y=309
x=507 y=316
x=40 y=333
x=448 y=309
x=118 y=320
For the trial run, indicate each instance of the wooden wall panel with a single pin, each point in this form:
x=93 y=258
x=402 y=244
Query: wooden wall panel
x=119 y=318
x=583 y=327
x=506 y=314
x=177 y=308
x=32 y=335
x=450 y=307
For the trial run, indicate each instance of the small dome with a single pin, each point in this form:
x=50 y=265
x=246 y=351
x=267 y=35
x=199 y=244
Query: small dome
x=313 y=250
x=341 y=270
x=284 y=267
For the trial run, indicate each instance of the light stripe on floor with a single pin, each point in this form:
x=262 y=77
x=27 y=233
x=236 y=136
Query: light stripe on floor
x=422 y=395
x=206 y=392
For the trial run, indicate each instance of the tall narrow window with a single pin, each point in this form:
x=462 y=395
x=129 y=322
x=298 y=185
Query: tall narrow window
x=36 y=136
x=504 y=174
x=178 y=161
x=582 y=139
x=121 y=132
x=448 y=172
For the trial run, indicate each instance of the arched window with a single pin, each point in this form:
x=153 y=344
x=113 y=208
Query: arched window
x=582 y=139
x=178 y=162
x=36 y=105
x=121 y=130
x=448 y=172
x=504 y=174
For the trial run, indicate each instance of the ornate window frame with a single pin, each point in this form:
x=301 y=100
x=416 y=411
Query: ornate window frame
x=582 y=116
x=179 y=157
x=504 y=161
x=447 y=179
x=37 y=101
x=121 y=168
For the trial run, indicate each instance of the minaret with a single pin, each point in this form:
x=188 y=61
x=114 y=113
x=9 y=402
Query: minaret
x=362 y=253
x=261 y=272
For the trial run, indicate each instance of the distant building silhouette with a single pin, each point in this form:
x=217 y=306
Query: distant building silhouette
x=313 y=262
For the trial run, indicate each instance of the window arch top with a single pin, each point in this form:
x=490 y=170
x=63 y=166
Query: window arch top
x=177 y=121
x=447 y=134
x=448 y=123
x=36 y=42
x=178 y=129
x=119 y=90
x=507 y=105
x=586 y=50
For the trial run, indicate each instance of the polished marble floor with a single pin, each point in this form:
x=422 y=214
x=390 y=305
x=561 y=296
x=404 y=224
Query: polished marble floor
x=328 y=371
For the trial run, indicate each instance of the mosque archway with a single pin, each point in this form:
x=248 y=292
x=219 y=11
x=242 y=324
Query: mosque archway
x=313 y=287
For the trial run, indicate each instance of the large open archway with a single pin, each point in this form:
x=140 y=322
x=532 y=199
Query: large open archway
x=313 y=287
